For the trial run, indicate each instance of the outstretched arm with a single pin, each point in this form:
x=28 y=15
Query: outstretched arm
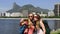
x=42 y=25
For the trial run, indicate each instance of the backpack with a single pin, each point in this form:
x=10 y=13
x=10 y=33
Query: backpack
x=22 y=29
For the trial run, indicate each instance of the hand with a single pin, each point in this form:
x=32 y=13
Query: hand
x=22 y=23
x=26 y=31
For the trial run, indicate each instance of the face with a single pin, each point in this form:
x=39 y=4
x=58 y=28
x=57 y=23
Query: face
x=30 y=16
x=35 y=17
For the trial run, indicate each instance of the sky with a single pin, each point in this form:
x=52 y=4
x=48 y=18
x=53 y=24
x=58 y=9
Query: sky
x=45 y=4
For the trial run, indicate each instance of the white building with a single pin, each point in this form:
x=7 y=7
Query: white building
x=50 y=13
x=42 y=14
x=14 y=14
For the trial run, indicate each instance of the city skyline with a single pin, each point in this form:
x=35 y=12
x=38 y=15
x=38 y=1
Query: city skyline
x=45 y=4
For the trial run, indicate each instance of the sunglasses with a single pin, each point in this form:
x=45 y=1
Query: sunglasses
x=35 y=17
x=30 y=16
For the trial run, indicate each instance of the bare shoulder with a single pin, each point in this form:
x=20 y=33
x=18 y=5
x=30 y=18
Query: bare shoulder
x=41 y=19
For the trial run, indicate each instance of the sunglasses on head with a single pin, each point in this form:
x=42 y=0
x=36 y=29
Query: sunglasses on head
x=36 y=16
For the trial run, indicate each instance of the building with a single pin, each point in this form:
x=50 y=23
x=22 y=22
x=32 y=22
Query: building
x=57 y=9
x=42 y=14
x=2 y=14
x=57 y=13
x=13 y=14
x=50 y=13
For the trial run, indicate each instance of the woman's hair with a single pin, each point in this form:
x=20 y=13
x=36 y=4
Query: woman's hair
x=23 y=21
x=38 y=16
x=37 y=22
x=30 y=13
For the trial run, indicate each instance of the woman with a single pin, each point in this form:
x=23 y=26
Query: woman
x=31 y=26
x=39 y=24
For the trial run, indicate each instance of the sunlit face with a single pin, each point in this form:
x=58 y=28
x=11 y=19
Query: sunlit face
x=35 y=17
x=30 y=16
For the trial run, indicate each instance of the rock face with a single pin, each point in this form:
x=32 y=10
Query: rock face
x=26 y=8
x=15 y=8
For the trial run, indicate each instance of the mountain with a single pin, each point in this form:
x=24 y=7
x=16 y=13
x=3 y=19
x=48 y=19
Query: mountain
x=15 y=8
x=42 y=10
x=29 y=7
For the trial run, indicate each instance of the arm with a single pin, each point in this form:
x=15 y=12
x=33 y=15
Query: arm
x=42 y=25
x=21 y=20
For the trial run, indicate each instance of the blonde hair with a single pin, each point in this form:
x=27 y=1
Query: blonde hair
x=38 y=25
x=29 y=23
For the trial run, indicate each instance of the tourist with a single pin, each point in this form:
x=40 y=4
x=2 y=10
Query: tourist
x=39 y=23
x=31 y=26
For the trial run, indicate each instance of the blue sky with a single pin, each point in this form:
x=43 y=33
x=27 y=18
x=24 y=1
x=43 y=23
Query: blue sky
x=46 y=4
